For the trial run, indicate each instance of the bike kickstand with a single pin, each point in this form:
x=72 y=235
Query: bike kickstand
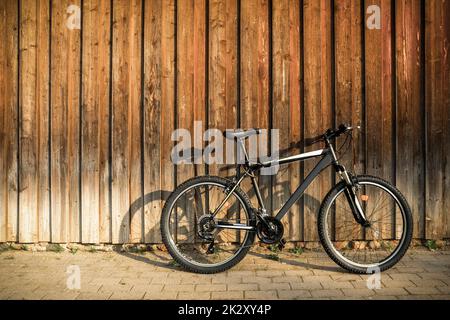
x=210 y=249
x=281 y=244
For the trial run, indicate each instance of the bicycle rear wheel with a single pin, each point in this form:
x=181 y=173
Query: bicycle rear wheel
x=190 y=230
x=378 y=246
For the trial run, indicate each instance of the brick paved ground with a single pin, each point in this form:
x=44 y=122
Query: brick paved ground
x=422 y=274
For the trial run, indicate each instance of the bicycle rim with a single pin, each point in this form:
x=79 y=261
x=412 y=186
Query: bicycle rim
x=194 y=204
x=372 y=246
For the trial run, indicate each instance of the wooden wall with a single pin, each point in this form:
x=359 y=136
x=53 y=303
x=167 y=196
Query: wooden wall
x=86 y=113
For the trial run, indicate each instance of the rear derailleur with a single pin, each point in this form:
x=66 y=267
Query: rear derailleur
x=205 y=230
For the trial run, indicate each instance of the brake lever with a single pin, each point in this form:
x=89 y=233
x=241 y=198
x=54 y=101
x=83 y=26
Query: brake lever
x=311 y=141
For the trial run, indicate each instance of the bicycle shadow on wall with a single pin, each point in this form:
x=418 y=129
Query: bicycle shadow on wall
x=280 y=191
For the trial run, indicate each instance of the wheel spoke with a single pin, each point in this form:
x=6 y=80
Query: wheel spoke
x=193 y=223
x=370 y=245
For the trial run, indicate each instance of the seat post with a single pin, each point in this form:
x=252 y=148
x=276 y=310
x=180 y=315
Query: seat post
x=241 y=142
x=242 y=145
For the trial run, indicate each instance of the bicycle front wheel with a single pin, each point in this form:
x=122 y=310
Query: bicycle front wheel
x=207 y=227
x=379 y=245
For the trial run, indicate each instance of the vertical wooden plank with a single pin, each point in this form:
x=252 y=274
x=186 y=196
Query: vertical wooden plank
x=191 y=63
x=65 y=123
x=255 y=77
x=222 y=71
x=126 y=130
x=159 y=94
x=222 y=106
x=287 y=107
x=348 y=84
x=152 y=115
x=379 y=99
x=437 y=39
x=95 y=122
x=191 y=89
x=318 y=99
x=34 y=211
x=8 y=120
x=348 y=89
x=409 y=164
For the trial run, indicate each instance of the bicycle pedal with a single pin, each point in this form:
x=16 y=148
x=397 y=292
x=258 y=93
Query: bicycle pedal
x=281 y=244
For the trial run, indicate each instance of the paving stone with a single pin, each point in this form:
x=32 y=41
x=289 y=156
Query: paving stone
x=397 y=283
x=61 y=295
x=287 y=279
x=233 y=273
x=420 y=275
x=37 y=295
x=391 y=292
x=114 y=288
x=317 y=278
x=211 y=287
x=383 y=297
x=362 y=284
x=127 y=295
x=293 y=294
x=194 y=295
x=256 y=280
x=260 y=295
x=151 y=275
x=410 y=269
x=196 y=280
x=404 y=276
x=148 y=287
x=336 y=284
x=358 y=292
x=428 y=283
x=423 y=290
x=307 y=285
x=269 y=273
x=135 y=281
x=297 y=273
x=93 y=296
x=441 y=296
x=346 y=277
x=416 y=297
x=444 y=290
x=179 y=287
x=242 y=286
x=226 y=279
x=274 y=286
x=227 y=295
x=326 y=293
x=167 y=281
x=433 y=275
x=165 y=295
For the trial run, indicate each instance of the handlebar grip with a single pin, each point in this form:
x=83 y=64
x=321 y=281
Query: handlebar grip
x=344 y=128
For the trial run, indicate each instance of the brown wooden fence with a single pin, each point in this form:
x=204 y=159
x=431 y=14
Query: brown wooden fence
x=87 y=111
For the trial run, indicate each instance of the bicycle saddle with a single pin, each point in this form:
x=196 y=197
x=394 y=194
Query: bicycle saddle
x=241 y=134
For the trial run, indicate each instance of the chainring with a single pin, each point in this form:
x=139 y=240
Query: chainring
x=269 y=235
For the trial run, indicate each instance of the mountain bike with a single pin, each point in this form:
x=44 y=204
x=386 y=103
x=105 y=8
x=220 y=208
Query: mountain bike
x=208 y=223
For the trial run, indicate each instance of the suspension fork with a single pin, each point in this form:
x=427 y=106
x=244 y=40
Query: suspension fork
x=350 y=194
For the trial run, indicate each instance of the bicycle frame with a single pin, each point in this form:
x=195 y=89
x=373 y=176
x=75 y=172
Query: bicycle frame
x=328 y=158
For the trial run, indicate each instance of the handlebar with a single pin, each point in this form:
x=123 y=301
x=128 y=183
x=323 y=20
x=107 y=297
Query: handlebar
x=330 y=134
